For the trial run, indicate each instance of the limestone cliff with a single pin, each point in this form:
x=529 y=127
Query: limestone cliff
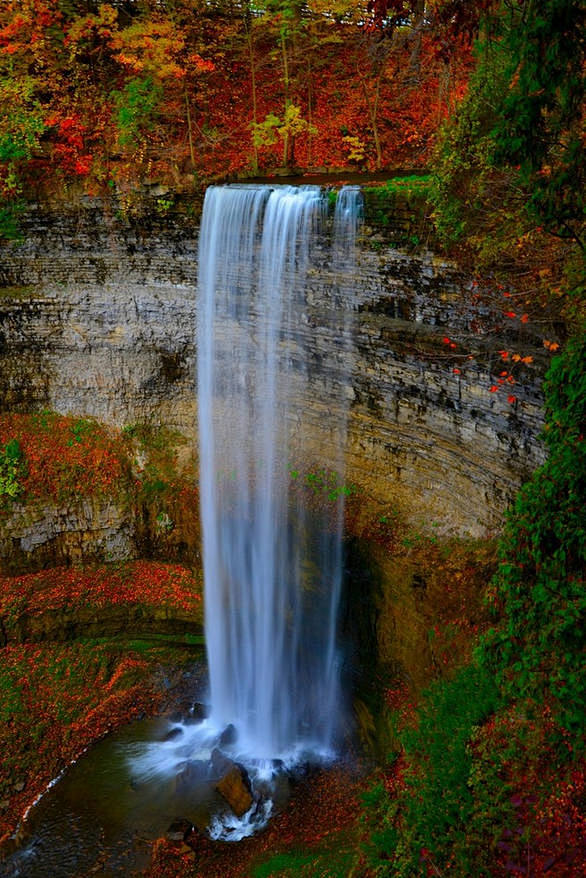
x=98 y=316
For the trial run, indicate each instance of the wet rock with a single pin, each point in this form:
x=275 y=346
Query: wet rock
x=185 y=703
x=234 y=788
x=179 y=830
x=192 y=773
x=200 y=711
x=172 y=734
x=220 y=763
x=228 y=736
x=233 y=784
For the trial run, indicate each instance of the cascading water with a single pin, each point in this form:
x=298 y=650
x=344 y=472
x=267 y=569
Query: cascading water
x=273 y=298
x=272 y=568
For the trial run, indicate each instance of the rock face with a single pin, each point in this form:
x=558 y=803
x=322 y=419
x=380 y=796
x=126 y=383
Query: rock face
x=98 y=317
x=89 y=530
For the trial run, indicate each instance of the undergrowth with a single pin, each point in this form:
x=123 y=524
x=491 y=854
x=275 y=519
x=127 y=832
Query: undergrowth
x=486 y=775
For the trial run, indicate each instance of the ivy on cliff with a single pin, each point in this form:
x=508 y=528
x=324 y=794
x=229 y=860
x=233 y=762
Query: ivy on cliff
x=539 y=588
x=488 y=770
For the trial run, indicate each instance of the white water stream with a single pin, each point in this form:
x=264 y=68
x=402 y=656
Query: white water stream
x=272 y=570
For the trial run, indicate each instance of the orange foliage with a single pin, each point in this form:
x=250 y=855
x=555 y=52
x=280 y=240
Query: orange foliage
x=138 y=582
x=219 y=73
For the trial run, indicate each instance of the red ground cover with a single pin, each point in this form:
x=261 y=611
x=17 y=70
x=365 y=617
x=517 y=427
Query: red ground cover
x=136 y=582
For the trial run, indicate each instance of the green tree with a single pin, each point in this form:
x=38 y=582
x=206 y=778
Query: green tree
x=136 y=106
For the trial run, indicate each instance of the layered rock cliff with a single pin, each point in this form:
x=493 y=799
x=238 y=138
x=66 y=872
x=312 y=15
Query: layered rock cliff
x=98 y=316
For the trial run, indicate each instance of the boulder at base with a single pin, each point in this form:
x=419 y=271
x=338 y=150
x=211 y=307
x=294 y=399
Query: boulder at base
x=234 y=784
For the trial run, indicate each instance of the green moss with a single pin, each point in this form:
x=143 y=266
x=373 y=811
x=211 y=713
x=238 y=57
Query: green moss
x=9 y=225
x=332 y=198
x=325 y=863
x=433 y=809
x=11 y=470
x=400 y=208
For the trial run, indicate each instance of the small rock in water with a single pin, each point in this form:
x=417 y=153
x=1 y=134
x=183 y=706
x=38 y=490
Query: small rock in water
x=172 y=735
x=179 y=829
x=192 y=772
x=200 y=711
x=235 y=790
x=228 y=736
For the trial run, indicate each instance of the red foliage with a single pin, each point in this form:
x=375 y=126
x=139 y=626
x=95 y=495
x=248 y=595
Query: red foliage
x=65 y=457
x=137 y=582
x=559 y=844
x=214 y=81
x=62 y=698
x=68 y=145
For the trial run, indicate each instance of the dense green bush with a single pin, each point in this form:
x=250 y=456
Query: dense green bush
x=429 y=817
x=510 y=158
x=136 y=106
x=10 y=468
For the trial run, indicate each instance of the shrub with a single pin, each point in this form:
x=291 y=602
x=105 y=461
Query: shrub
x=11 y=465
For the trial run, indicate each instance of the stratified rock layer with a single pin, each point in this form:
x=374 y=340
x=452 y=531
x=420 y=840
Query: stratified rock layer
x=98 y=317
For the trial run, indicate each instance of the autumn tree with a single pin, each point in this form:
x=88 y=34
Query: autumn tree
x=118 y=91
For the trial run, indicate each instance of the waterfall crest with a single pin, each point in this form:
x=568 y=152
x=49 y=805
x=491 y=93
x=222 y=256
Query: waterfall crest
x=272 y=560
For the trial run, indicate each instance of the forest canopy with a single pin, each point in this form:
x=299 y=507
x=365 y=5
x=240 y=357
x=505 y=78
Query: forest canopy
x=168 y=89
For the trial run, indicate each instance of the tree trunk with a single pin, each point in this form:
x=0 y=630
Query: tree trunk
x=189 y=133
x=372 y=108
x=250 y=47
x=287 y=100
x=418 y=25
x=309 y=109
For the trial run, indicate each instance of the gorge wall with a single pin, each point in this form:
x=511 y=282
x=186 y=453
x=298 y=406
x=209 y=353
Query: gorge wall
x=98 y=316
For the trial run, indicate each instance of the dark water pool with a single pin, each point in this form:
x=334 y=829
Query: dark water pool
x=102 y=813
x=101 y=816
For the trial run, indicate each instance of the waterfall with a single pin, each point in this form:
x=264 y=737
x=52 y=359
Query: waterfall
x=272 y=528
